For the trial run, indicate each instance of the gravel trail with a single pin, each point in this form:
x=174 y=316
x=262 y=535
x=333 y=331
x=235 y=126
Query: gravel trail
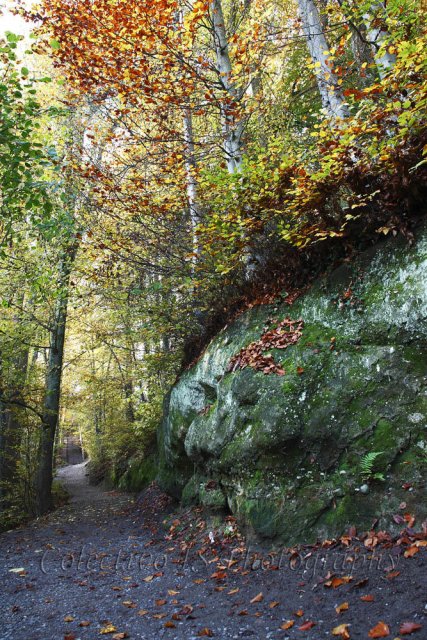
x=109 y=565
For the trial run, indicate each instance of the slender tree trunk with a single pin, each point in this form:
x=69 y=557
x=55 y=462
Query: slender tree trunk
x=51 y=402
x=330 y=92
x=190 y=169
x=377 y=35
x=232 y=128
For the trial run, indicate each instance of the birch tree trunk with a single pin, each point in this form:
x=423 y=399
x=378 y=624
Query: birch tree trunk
x=191 y=180
x=51 y=402
x=232 y=129
x=330 y=92
x=377 y=36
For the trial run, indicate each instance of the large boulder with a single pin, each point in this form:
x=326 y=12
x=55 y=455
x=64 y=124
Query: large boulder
x=339 y=440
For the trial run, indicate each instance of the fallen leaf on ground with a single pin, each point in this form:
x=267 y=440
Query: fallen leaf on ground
x=233 y=591
x=337 y=582
x=69 y=636
x=109 y=629
x=342 y=607
x=341 y=630
x=129 y=604
x=84 y=623
x=392 y=575
x=160 y=603
x=409 y=627
x=68 y=619
x=120 y=636
x=411 y=551
x=381 y=630
x=142 y=612
x=258 y=598
x=299 y=613
x=287 y=625
x=274 y=604
x=307 y=626
x=170 y=625
x=208 y=633
x=367 y=598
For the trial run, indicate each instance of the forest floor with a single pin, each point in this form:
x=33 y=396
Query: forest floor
x=109 y=565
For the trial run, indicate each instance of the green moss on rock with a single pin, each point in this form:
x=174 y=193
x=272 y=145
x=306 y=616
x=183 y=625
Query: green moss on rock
x=286 y=451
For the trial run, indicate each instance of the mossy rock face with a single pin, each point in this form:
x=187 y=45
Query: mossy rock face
x=286 y=451
x=139 y=473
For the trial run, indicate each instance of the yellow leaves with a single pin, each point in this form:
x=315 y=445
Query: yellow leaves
x=109 y=628
x=342 y=607
x=342 y=631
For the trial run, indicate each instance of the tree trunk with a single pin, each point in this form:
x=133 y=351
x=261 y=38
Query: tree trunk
x=232 y=128
x=377 y=35
x=330 y=92
x=51 y=402
x=190 y=169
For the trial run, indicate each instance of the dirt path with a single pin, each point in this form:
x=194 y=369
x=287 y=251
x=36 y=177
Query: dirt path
x=106 y=564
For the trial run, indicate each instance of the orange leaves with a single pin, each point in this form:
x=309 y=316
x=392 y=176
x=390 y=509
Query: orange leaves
x=306 y=626
x=287 y=333
x=336 y=582
x=381 y=630
x=257 y=598
x=407 y=628
x=411 y=551
x=287 y=625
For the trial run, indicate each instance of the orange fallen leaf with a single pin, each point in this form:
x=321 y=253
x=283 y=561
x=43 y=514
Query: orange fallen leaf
x=287 y=625
x=307 y=626
x=274 y=604
x=299 y=613
x=411 y=551
x=169 y=625
x=160 y=603
x=337 y=582
x=129 y=604
x=244 y=612
x=381 y=630
x=207 y=633
x=84 y=623
x=159 y=616
x=68 y=619
x=120 y=636
x=199 y=581
x=258 y=598
x=367 y=598
x=219 y=575
x=342 y=607
x=392 y=574
x=409 y=627
x=342 y=630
